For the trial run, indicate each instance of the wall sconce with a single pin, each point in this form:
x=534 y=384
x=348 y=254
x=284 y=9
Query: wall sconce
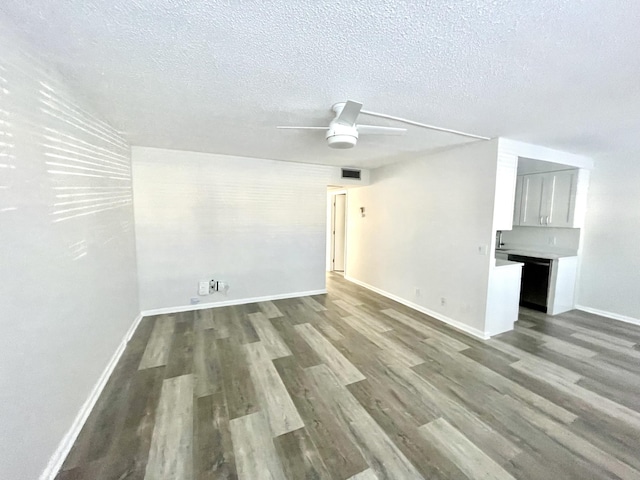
x=362 y=212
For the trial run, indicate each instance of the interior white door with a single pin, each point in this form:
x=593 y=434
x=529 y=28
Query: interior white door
x=339 y=231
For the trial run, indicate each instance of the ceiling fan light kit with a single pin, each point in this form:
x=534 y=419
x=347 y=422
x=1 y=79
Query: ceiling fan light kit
x=342 y=136
x=343 y=131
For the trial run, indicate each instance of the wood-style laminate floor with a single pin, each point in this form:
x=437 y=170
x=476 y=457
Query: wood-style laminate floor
x=351 y=385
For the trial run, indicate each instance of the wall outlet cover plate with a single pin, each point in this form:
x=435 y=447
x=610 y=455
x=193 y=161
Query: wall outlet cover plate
x=203 y=287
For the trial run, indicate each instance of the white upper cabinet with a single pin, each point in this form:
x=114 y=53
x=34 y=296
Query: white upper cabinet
x=563 y=198
x=547 y=199
x=518 y=200
x=532 y=200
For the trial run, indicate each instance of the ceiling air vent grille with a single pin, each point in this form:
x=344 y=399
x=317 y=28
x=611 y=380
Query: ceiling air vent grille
x=350 y=173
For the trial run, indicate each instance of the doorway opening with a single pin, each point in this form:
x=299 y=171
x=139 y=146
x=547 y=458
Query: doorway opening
x=337 y=231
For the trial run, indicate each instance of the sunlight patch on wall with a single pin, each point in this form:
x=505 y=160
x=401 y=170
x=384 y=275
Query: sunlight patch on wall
x=80 y=201
x=7 y=147
x=65 y=111
x=78 y=250
x=58 y=161
x=89 y=177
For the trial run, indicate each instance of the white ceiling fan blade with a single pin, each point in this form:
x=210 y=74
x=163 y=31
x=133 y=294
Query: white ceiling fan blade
x=285 y=127
x=349 y=113
x=378 y=130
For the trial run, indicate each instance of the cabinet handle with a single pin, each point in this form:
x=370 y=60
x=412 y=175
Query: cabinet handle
x=546 y=220
x=541 y=217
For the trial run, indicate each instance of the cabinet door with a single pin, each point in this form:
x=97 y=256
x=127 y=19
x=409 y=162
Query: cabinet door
x=518 y=201
x=561 y=198
x=532 y=200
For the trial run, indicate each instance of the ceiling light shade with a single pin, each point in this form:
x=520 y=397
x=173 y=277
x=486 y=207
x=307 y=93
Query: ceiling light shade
x=341 y=136
x=342 y=141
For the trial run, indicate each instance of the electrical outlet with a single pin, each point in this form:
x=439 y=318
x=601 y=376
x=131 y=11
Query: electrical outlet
x=552 y=240
x=195 y=300
x=483 y=249
x=417 y=292
x=443 y=301
x=222 y=287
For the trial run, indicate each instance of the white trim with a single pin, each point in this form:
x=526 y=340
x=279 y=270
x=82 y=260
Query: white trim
x=538 y=152
x=449 y=321
x=346 y=233
x=604 y=313
x=60 y=454
x=329 y=223
x=330 y=227
x=227 y=303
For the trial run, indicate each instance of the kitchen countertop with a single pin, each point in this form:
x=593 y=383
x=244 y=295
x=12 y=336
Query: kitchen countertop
x=507 y=263
x=535 y=253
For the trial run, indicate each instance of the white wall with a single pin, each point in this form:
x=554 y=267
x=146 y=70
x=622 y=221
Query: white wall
x=565 y=240
x=610 y=271
x=258 y=225
x=424 y=223
x=67 y=257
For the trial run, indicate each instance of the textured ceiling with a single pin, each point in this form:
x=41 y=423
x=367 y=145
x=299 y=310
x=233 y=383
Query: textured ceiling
x=218 y=76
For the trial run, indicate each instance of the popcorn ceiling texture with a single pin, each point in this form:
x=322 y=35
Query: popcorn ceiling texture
x=219 y=76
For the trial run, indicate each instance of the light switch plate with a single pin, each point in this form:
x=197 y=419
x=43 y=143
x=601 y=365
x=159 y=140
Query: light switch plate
x=203 y=287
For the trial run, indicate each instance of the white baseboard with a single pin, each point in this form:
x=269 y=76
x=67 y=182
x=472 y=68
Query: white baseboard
x=59 y=456
x=228 y=303
x=438 y=316
x=604 y=313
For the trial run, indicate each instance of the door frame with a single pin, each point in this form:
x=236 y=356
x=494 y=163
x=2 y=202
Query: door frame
x=330 y=219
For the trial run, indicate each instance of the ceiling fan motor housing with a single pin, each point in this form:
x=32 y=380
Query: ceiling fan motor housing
x=342 y=136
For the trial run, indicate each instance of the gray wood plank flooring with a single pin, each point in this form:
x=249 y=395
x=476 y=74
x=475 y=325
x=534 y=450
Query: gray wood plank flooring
x=471 y=459
x=170 y=454
x=352 y=385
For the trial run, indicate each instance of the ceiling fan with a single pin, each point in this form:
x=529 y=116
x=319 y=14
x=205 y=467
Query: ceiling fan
x=343 y=131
